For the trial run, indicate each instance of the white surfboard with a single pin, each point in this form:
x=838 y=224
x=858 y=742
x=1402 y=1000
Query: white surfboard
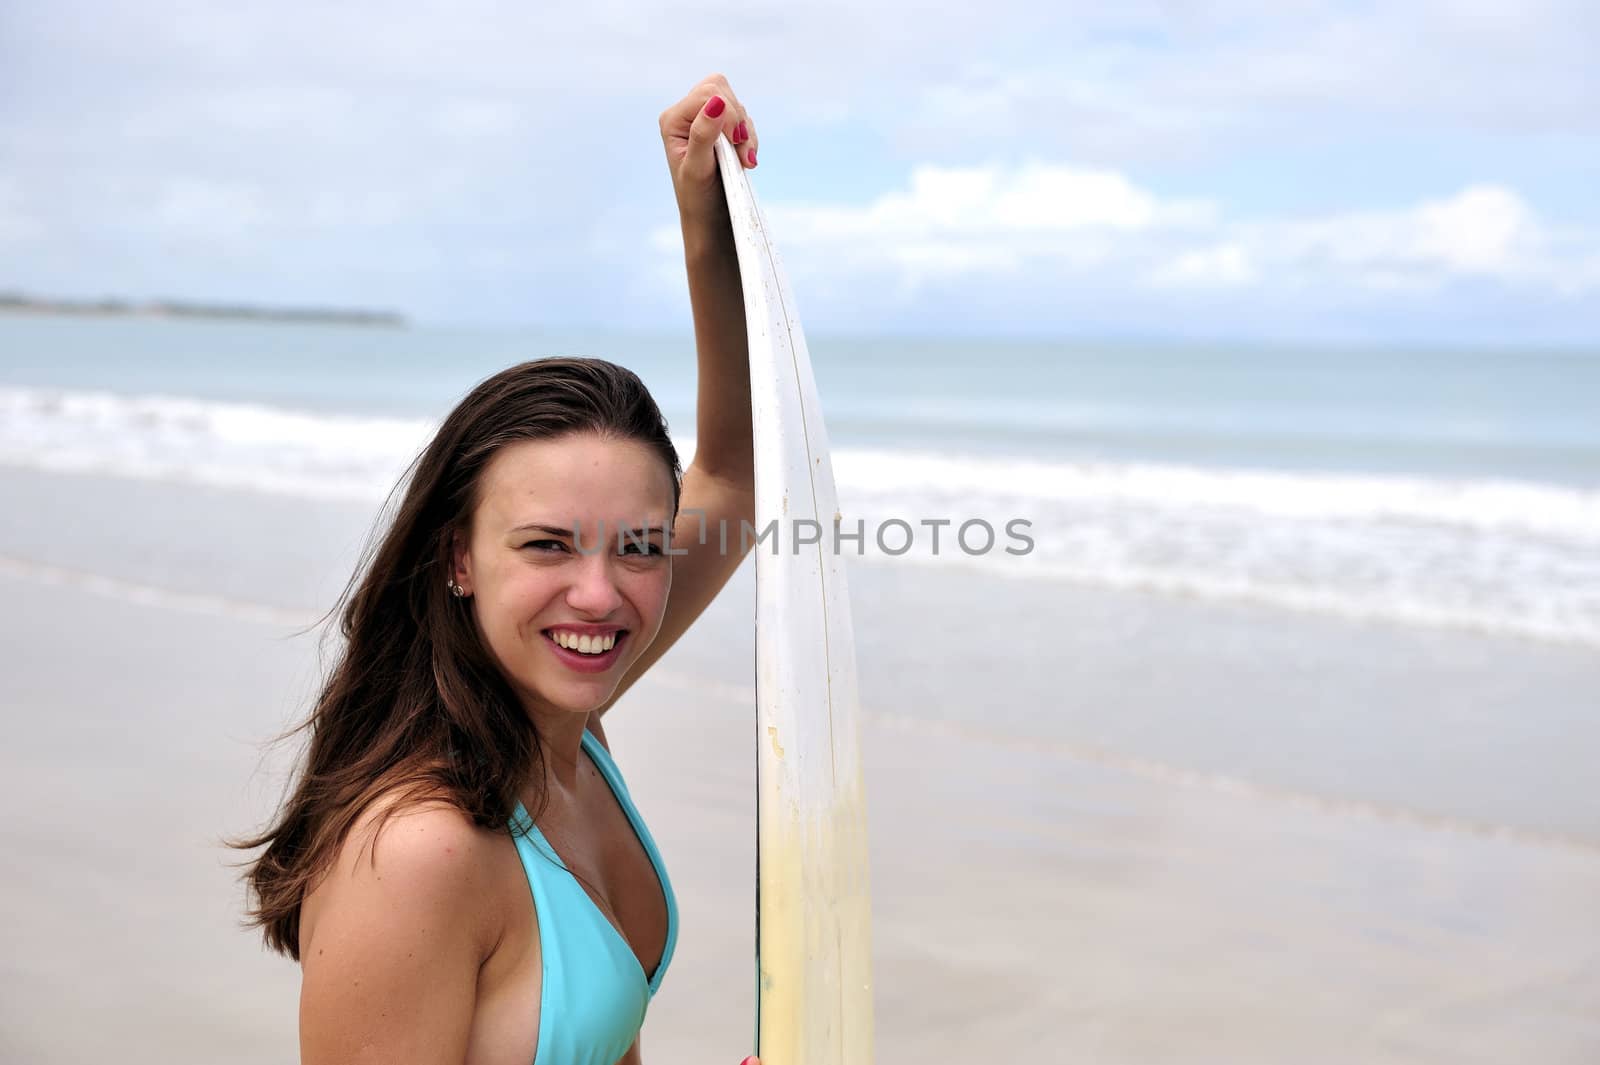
x=813 y=945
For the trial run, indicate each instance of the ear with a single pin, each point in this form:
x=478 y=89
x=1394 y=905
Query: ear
x=461 y=560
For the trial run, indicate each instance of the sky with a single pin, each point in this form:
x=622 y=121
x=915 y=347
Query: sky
x=1420 y=172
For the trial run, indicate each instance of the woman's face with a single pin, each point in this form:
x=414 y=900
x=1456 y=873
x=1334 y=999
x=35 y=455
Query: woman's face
x=565 y=615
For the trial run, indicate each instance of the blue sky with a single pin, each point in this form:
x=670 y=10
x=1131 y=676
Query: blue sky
x=1291 y=170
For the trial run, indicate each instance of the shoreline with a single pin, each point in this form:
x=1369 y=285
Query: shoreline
x=11 y=303
x=1479 y=732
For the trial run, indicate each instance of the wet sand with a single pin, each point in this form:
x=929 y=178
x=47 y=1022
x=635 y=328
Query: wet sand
x=1028 y=901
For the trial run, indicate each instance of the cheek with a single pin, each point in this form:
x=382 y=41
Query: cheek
x=649 y=592
x=512 y=596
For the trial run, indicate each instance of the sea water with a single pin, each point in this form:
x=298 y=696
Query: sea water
x=1447 y=488
x=1367 y=577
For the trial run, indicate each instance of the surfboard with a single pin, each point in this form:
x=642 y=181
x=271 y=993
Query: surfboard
x=813 y=942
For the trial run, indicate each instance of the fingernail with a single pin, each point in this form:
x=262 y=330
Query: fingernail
x=739 y=133
x=751 y=1060
x=752 y=157
x=714 y=106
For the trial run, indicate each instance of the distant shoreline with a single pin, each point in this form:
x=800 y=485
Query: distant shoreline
x=14 y=303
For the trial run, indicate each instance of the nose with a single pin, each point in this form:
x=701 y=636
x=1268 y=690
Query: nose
x=593 y=591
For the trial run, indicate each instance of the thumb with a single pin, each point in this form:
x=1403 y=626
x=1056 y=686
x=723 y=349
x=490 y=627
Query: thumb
x=700 y=161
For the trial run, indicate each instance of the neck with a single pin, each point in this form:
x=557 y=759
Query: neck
x=561 y=743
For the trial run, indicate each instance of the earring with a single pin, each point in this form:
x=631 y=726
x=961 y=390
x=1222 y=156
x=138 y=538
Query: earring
x=455 y=589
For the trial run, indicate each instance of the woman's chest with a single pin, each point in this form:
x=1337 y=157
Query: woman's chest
x=611 y=886
x=605 y=856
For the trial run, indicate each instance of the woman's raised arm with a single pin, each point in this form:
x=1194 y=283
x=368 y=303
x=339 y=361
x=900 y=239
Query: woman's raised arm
x=719 y=483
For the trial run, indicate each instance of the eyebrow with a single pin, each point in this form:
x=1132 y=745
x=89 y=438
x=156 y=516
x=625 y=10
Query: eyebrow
x=558 y=530
x=553 y=530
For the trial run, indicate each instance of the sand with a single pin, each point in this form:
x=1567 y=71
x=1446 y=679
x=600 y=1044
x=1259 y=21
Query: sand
x=1029 y=902
x=1153 y=830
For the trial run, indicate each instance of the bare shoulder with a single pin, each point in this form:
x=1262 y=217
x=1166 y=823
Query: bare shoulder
x=411 y=856
x=393 y=936
x=429 y=838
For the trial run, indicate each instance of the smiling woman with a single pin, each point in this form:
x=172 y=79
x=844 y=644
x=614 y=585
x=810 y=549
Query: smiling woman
x=459 y=868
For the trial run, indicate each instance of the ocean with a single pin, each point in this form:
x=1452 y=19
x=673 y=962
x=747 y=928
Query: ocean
x=1400 y=510
x=1436 y=488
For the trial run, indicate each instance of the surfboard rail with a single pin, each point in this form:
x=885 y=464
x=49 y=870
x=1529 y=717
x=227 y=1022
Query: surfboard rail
x=813 y=946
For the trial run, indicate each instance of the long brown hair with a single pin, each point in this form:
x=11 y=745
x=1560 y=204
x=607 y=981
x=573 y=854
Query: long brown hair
x=414 y=705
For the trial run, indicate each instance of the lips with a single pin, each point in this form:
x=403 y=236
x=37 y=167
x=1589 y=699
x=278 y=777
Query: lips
x=586 y=662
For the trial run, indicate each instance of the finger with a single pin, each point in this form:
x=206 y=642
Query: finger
x=744 y=139
x=741 y=130
x=712 y=85
x=677 y=119
x=717 y=85
x=677 y=122
x=700 y=162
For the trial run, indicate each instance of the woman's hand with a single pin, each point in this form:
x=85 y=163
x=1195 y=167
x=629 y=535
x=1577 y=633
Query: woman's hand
x=689 y=128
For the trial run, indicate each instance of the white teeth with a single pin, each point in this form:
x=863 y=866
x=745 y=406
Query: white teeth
x=585 y=645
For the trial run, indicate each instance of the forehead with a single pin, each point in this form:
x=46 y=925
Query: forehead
x=576 y=476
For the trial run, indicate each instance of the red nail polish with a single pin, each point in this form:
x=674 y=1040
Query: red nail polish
x=714 y=106
x=749 y=1061
x=740 y=133
x=752 y=156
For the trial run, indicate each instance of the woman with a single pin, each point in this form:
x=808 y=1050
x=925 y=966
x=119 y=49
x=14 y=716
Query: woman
x=459 y=869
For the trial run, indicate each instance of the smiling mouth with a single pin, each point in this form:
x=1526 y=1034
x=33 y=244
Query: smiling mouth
x=592 y=647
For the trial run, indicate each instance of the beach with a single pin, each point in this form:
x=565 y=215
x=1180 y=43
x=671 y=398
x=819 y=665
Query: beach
x=1055 y=901
x=1278 y=747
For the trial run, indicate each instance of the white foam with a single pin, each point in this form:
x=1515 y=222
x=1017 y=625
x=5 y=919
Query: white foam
x=1489 y=555
x=1484 y=504
x=234 y=445
x=1496 y=557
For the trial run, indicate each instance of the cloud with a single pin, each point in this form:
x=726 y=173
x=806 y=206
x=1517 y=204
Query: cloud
x=1480 y=234
x=1483 y=231
x=1068 y=222
x=1222 y=264
x=477 y=161
x=950 y=221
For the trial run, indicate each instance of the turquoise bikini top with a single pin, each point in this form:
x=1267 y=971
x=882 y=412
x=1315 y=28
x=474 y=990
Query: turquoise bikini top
x=595 y=992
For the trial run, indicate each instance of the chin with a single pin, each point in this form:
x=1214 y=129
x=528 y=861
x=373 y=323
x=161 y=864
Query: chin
x=569 y=698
